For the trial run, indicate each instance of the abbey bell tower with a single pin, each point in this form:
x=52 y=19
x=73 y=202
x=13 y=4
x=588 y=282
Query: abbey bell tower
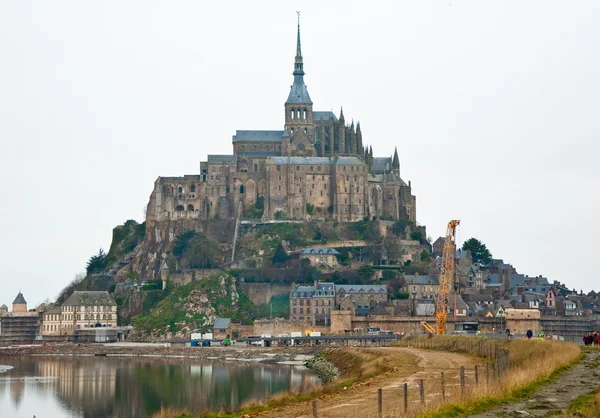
x=298 y=111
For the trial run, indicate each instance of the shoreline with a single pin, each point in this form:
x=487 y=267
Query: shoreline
x=285 y=356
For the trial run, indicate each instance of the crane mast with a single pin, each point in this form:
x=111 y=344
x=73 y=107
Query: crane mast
x=446 y=277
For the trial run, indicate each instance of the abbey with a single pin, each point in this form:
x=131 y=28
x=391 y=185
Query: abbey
x=316 y=167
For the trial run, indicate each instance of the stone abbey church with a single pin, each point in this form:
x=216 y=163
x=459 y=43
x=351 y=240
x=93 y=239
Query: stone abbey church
x=316 y=167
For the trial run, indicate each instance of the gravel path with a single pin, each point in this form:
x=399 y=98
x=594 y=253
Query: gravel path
x=555 y=397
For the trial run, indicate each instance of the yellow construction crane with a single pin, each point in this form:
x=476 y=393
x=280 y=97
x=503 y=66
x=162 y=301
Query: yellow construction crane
x=446 y=277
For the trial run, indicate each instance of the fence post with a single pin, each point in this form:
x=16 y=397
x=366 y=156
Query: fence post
x=315 y=409
x=487 y=373
x=380 y=402
x=462 y=382
x=476 y=375
x=443 y=389
x=405 y=398
x=422 y=392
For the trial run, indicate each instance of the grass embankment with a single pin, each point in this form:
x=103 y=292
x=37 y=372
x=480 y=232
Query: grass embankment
x=532 y=363
x=357 y=367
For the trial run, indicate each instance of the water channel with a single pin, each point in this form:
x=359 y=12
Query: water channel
x=52 y=387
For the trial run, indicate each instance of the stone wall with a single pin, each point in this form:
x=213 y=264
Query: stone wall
x=261 y=293
x=278 y=326
x=188 y=276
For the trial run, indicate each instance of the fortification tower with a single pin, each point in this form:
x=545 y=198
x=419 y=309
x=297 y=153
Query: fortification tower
x=19 y=304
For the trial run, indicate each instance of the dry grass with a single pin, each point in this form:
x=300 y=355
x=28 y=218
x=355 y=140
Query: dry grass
x=533 y=363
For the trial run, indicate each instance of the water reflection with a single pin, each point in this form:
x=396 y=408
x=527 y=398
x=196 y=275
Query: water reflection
x=100 y=387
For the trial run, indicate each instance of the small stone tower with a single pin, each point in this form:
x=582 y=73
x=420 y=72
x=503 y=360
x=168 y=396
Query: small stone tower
x=3 y=309
x=164 y=274
x=19 y=304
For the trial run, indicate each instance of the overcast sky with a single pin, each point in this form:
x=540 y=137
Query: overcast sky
x=493 y=106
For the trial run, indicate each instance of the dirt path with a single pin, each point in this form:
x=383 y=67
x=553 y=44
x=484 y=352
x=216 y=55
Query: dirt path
x=555 y=397
x=361 y=399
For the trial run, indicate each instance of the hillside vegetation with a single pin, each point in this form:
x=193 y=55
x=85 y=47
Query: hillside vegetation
x=195 y=306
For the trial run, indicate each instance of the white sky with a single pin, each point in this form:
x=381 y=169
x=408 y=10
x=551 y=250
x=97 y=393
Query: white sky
x=493 y=106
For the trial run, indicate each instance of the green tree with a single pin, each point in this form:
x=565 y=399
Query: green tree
x=479 y=251
x=97 y=263
x=425 y=256
x=280 y=255
x=365 y=271
x=416 y=236
x=201 y=252
x=181 y=243
x=399 y=227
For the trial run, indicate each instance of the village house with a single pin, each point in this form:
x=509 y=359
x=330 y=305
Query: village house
x=421 y=287
x=321 y=258
x=222 y=328
x=83 y=309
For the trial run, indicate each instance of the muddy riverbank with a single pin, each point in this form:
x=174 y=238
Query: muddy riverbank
x=271 y=355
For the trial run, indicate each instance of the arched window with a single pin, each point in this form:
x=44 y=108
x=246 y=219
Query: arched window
x=190 y=208
x=242 y=189
x=179 y=208
x=292 y=114
x=193 y=188
x=304 y=114
x=298 y=114
x=180 y=189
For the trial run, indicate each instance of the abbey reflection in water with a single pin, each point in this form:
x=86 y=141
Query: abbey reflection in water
x=130 y=387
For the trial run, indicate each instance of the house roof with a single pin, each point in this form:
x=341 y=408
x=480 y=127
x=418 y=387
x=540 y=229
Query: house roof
x=299 y=290
x=382 y=164
x=221 y=323
x=316 y=160
x=53 y=310
x=347 y=288
x=332 y=251
x=257 y=136
x=328 y=286
x=440 y=240
x=221 y=159
x=19 y=299
x=90 y=298
x=460 y=303
x=478 y=298
x=327 y=115
x=420 y=280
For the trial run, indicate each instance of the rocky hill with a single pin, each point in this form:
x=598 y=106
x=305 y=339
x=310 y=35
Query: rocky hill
x=193 y=308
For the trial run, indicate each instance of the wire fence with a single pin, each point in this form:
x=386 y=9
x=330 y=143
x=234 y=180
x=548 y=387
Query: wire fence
x=449 y=385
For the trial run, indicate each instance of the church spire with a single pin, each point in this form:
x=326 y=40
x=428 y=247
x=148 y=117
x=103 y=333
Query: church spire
x=298 y=91
x=396 y=162
x=298 y=63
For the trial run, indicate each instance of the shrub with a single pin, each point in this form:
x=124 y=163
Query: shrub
x=310 y=209
x=280 y=215
x=325 y=370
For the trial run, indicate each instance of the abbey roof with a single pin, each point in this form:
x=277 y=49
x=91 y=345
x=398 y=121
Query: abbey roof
x=257 y=136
